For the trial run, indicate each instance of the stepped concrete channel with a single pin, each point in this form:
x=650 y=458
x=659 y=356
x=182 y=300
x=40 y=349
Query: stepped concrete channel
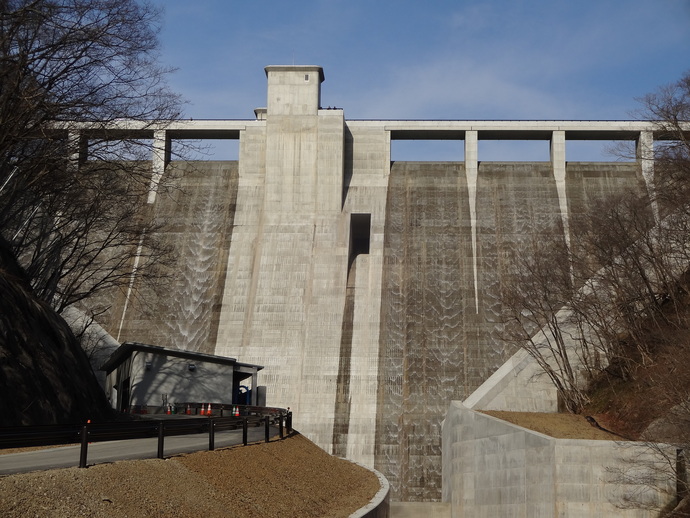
x=366 y=288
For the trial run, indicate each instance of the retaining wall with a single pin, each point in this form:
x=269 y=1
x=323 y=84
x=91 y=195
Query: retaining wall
x=492 y=468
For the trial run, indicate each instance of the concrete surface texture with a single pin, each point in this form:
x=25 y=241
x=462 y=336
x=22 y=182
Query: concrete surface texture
x=492 y=468
x=366 y=333
x=420 y=509
x=520 y=385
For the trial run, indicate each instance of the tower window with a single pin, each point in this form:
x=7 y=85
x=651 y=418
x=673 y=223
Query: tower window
x=306 y=78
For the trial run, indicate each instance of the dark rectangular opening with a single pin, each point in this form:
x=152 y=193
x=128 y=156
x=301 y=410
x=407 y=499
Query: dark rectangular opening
x=360 y=232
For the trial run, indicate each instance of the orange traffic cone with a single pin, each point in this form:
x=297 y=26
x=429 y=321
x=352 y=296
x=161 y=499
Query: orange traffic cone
x=209 y=412
x=188 y=411
x=168 y=410
x=202 y=411
x=237 y=411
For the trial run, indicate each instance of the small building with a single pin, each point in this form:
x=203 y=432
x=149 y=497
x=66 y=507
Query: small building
x=141 y=377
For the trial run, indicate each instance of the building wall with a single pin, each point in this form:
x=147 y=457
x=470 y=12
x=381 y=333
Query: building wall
x=170 y=379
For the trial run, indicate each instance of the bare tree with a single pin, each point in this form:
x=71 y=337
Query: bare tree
x=668 y=436
x=616 y=302
x=592 y=307
x=532 y=297
x=78 y=229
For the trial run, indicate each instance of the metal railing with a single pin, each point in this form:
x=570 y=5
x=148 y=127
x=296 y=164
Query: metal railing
x=83 y=434
x=217 y=409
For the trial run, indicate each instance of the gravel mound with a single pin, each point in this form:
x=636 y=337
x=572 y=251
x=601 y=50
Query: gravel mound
x=292 y=477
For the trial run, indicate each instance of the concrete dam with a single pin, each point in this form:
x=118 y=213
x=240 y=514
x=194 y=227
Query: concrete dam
x=366 y=288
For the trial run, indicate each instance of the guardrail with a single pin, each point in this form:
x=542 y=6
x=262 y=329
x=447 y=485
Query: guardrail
x=23 y=436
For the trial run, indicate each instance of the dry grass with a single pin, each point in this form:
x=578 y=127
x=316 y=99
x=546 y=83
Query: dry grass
x=560 y=426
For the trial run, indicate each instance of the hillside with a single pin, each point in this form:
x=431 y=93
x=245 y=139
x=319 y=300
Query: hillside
x=652 y=402
x=45 y=377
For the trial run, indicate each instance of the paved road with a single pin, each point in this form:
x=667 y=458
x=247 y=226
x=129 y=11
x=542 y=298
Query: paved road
x=100 y=452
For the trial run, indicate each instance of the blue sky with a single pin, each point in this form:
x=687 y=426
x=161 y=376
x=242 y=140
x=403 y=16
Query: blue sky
x=441 y=59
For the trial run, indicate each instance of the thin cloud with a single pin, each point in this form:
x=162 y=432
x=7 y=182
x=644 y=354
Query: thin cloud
x=491 y=59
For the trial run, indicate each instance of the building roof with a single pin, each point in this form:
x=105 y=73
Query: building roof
x=127 y=348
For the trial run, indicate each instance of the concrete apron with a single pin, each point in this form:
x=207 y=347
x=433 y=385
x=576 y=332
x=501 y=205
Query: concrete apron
x=417 y=509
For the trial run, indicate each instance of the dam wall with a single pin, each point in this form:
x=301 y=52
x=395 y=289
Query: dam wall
x=366 y=288
x=194 y=221
x=441 y=337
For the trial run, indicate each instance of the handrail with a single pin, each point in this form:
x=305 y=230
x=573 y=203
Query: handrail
x=43 y=435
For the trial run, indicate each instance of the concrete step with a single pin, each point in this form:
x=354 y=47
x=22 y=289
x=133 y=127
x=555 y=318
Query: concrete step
x=419 y=510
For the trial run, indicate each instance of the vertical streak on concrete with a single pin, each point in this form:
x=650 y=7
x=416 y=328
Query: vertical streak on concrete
x=341 y=419
x=130 y=286
x=159 y=159
x=387 y=170
x=471 y=171
x=645 y=157
x=558 y=165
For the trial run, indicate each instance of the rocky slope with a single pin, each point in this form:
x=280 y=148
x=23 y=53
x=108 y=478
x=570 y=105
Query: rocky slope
x=45 y=377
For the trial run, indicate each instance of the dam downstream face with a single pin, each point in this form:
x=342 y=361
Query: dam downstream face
x=366 y=289
x=435 y=346
x=194 y=219
x=436 y=342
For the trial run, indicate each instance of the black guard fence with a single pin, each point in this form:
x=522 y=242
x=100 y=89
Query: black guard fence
x=244 y=416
